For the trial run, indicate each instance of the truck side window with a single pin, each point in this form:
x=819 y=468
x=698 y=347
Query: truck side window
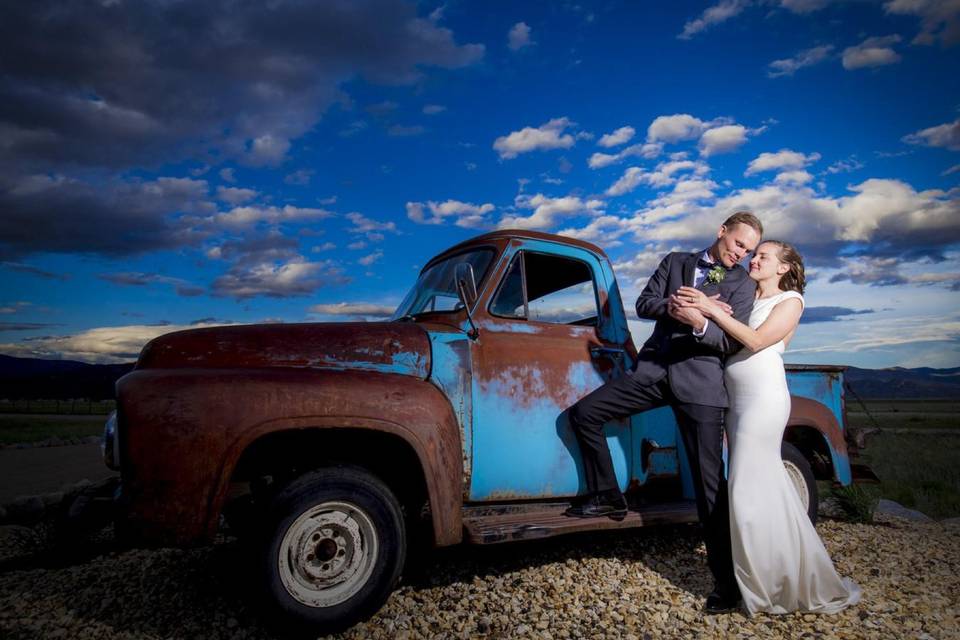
x=560 y=290
x=509 y=302
x=547 y=288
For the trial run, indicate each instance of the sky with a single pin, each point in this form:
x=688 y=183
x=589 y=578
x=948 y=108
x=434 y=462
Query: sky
x=166 y=165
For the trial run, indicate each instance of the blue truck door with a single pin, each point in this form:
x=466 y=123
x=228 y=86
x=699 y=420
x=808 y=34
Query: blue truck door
x=539 y=351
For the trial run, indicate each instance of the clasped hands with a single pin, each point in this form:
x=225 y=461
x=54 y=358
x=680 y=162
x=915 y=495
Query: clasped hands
x=692 y=306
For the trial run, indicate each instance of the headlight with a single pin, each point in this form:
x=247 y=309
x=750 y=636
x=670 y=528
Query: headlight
x=109 y=445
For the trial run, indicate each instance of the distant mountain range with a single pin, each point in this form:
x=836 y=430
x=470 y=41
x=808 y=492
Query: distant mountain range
x=33 y=378
x=22 y=378
x=898 y=382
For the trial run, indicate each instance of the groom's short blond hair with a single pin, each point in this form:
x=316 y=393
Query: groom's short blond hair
x=747 y=218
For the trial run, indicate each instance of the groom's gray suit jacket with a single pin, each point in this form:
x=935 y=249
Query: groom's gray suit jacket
x=693 y=366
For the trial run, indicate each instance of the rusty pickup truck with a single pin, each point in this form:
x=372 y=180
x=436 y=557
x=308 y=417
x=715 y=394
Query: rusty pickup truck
x=335 y=447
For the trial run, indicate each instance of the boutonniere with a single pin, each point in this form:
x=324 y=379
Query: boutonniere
x=716 y=275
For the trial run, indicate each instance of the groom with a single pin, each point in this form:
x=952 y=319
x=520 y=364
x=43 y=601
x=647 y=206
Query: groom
x=681 y=365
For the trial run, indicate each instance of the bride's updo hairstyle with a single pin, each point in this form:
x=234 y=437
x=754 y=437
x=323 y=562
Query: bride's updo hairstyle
x=792 y=280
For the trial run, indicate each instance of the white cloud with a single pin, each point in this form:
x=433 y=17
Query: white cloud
x=463 y=214
x=618 y=137
x=160 y=103
x=16 y=307
x=226 y=175
x=630 y=180
x=433 y=109
x=940 y=19
x=100 y=345
x=886 y=332
x=797 y=176
x=845 y=166
x=722 y=139
x=648 y=150
x=235 y=195
x=300 y=177
x=805 y=58
x=604 y=230
x=688 y=195
x=295 y=277
x=892 y=207
x=363 y=224
x=268 y=150
x=368 y=260
x=804 y=6
x=662 y=176
x=519 y=36
x=716 y=14
x=402 y=131
x=547 y=136
x=547 y=211
x=239 y=217
x=954 y=169
x=635 y=271
x=876 y=209
x=140 y=279
x=352 y=129
x=944 y=135
x=364 y=309
x=680 y=126
x=783 y=159
x=872 y=52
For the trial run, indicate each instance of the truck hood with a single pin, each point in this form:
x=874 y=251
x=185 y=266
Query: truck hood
x=387 y=347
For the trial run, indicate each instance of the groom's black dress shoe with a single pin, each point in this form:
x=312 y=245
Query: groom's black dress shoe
x=597 y=506
x=721 y=603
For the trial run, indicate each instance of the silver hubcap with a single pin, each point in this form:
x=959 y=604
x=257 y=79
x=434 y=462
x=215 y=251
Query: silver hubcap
x=796 y=479
x=328 y=554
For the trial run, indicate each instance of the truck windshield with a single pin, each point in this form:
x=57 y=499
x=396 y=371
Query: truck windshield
x=436 y=288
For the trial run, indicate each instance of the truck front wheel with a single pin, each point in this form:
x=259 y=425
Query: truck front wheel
x=334 y=546
x=801 y=477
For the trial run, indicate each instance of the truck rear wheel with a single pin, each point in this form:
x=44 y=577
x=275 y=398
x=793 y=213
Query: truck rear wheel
x=334 y=546
x=801 y=477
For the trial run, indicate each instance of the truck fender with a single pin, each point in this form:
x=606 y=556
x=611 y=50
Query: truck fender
x=808 y=413
x=217 y=414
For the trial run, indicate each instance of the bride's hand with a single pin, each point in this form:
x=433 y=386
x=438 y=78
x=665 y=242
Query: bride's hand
x=727 y=309
x=709 y=306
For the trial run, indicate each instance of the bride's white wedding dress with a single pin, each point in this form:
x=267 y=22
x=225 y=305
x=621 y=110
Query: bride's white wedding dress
x=780 y=562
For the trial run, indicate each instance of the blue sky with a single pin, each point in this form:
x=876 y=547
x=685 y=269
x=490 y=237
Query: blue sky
x=174 y=164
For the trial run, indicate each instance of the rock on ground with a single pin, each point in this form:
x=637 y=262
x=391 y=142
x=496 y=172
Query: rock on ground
x=634 y=584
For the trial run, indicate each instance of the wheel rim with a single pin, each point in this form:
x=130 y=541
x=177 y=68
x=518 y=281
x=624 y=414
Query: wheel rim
x=798 y=482
x=328 y=554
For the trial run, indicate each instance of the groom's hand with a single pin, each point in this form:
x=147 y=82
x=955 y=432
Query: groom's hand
x=687 y=315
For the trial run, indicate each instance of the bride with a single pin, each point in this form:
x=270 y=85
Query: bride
x=780 y=562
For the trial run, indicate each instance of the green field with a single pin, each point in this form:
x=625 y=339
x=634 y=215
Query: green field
x=905 y=414
x=916 y=454
x=16 y=428
x=919 y=470
x=69 y=407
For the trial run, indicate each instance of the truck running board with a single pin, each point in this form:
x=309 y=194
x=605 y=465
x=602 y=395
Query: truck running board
x=491 y=524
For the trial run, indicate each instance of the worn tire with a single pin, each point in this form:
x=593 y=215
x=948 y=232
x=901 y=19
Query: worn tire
x=801 y=477
x=332 y=548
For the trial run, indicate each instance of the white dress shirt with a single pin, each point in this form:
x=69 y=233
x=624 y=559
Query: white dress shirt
x=698 y=276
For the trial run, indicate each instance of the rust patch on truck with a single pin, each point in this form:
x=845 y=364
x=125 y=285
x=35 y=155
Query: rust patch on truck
x=810 y=413
x=386 y=347
x=558 y=366
x=185 y=430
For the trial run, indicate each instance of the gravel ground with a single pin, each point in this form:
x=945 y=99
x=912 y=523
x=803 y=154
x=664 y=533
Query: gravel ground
x=640 y=584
